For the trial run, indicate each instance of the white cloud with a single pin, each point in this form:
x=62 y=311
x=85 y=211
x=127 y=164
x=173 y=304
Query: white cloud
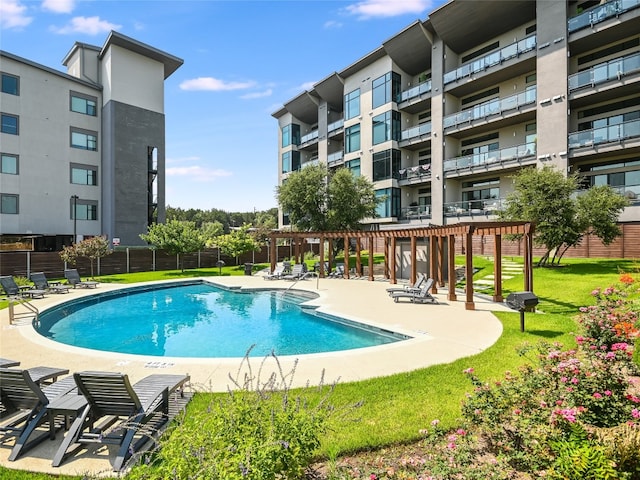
x=86 y=25
x=197 y=173
x=214 y=84
x=307 y=85
x=13 y=14
x=332 y=24
x=387 y=8
x=59 y=6
x=252 y=95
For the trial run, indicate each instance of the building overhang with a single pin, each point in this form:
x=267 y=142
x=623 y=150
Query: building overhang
x=411 y=49
x=330 y=90
x=304 y=107
x=365 y=61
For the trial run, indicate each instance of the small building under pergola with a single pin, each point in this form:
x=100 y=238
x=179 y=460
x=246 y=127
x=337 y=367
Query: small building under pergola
x=440 y=245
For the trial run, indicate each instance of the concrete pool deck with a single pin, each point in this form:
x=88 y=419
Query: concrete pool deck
x=440 y=333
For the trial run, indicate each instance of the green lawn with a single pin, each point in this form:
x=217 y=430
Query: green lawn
x=395 y=408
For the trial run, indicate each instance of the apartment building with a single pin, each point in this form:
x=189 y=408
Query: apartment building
x=442 y=115
x=83 y=152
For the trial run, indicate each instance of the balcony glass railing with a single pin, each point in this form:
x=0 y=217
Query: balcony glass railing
x=608 y=134
x=487 y=158
x=335 y=125
x=494 y=58
x=489 y=206
x=600 y=13
x=309 y=137
x=604 y=72
x=334 y=159
x=415 y=174
x=422 y=129
x=416 y=91
x=492 y=107
x=415 y=212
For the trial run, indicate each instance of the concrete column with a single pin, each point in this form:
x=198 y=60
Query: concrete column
x=437 y=136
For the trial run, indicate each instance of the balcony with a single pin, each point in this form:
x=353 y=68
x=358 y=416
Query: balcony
x=308 y=139
x=495 y=58
x=335 y=159
x=470 y=208
x=600 y=13
x=497 y=106
x=605 y=72
x=413 y=175
x=334 y=126
x=494 y=158
x=602 y=135
x=418 y=90
x=413 y=132
x=417 y=212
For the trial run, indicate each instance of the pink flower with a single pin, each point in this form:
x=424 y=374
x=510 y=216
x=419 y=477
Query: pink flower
x=373 y=476
x=575 y=381
x=635 y=413
x=608 y=393
x=451 y=446
x=517 y=411
x=468 y=371
x=435 y=422
x=461 y=432
x=597 y=396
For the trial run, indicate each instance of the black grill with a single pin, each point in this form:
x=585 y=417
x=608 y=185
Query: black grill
x=522 y=301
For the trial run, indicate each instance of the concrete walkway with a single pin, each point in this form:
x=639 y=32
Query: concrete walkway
x=440 y=334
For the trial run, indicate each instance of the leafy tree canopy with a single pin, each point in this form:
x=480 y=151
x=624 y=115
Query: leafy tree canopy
x=92 y=248
x=237 y=242
x=175 y=237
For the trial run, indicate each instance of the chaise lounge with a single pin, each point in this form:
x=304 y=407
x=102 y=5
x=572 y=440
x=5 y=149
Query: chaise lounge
x=73 y=277
x=421 y=296
x=411 y=288
x=39 y=279
x=11 y=289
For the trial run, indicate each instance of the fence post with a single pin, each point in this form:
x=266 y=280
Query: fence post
x=128 y=261
x=154 y=259
x=198 y=258
x=98 y=265
x=28 y=263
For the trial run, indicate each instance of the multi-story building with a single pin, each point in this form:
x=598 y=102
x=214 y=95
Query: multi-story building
x=443 y=114
x=83 y=152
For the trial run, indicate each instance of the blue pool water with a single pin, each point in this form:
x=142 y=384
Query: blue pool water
x=201 y=320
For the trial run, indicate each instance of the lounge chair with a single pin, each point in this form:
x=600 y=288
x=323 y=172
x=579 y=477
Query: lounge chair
x=297 y=272
x=73 y=277
x=24 y=408
x=276 y=274
x=141 y=410
x=11 y=289
x=421 y=296
x=6 y=363
x=39 y=279
x=338 y=272
x=411 y=288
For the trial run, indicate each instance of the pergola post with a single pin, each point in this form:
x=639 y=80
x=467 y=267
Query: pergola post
x=433 y=262
x=441 y=240
x=358 y=258
x=469 y=304
x=497 y=267
x=414 y=268
x=346 y=256
x=392 y=263
x=274 y=256
x=528 y=257
x=322 y=273
x=330 y=247
x=371 y=252
x=452 y=268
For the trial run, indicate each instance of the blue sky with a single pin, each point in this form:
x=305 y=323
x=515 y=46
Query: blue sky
x=242 y=61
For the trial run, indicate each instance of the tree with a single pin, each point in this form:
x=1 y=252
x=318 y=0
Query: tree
x=317 y=201
x=237 y=242
x=562 y=219
x=210 y=231
x=175 y=237
x=92 y=248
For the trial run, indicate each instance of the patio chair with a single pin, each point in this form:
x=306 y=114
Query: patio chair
x=411 y=288
x=24 y=408
x=11 y=289
x=338 y=272
x=73 y=277
x=297 y=272
x=6 y=363
x=276 y=274
x=140 y=412
x=421 y=296
x=39 y=279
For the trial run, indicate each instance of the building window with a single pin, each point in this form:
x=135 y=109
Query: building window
x=386 y=127
x=10 y=124
x=84 y=174
x=10 y=84
x=290 y=162
x=353 y=166
x=385 y=89
x=290 y=135
x=84 y=140
x=352 y=138
x=352 y=104
x=83 y=104
x=478 y=192
x=9 y=164
x=386 y=165
x=8 y=203
x=85 y=210
x=390 y=202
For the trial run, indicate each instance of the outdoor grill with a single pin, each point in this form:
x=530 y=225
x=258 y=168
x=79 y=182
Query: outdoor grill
x=522 y=302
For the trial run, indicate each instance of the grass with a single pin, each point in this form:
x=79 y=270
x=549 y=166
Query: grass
x=396 y=407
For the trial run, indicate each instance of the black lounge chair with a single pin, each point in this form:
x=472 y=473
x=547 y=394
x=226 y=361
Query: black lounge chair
x=421 y=296
x=297 y=272
x=24 y=408
x=276 y=274
x=39 y=279
x=411 y=288
x=73 y=277
x=338 y=272
x=141 y=410
x=11 y=289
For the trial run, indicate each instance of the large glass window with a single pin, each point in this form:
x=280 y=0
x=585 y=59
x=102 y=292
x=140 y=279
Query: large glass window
x=83 y=104
x=84 y=140
x=478 y=192
x=352 y=104
x=9 y=164
x=10 y=84
x=85 y=210
x=386 y=127
x=290 y=161
x=84 y=174
x=385 y=89
x=353 y=166
x=10 y=124
x=386 y=165
x=390 y=204
x=352 y=138
x=290 y=135
x=8 y=203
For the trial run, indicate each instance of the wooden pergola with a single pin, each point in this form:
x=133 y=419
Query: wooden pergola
x=436 y=237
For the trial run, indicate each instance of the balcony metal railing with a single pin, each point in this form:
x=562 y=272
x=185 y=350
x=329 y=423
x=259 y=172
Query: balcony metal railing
x=600 y=13
x=422 y=129
x=608 y=134
x=415 y=212
x=335 y=159
x=604 y=72
x=490 y=206
x=630 y=192
x=492 y=107
x=494 y=157
x=419 y=173
x=335 y=125
x=309 y=137
x=424 y=87
x=494 y=58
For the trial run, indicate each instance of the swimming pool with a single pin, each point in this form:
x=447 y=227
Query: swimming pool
x=200 y=320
